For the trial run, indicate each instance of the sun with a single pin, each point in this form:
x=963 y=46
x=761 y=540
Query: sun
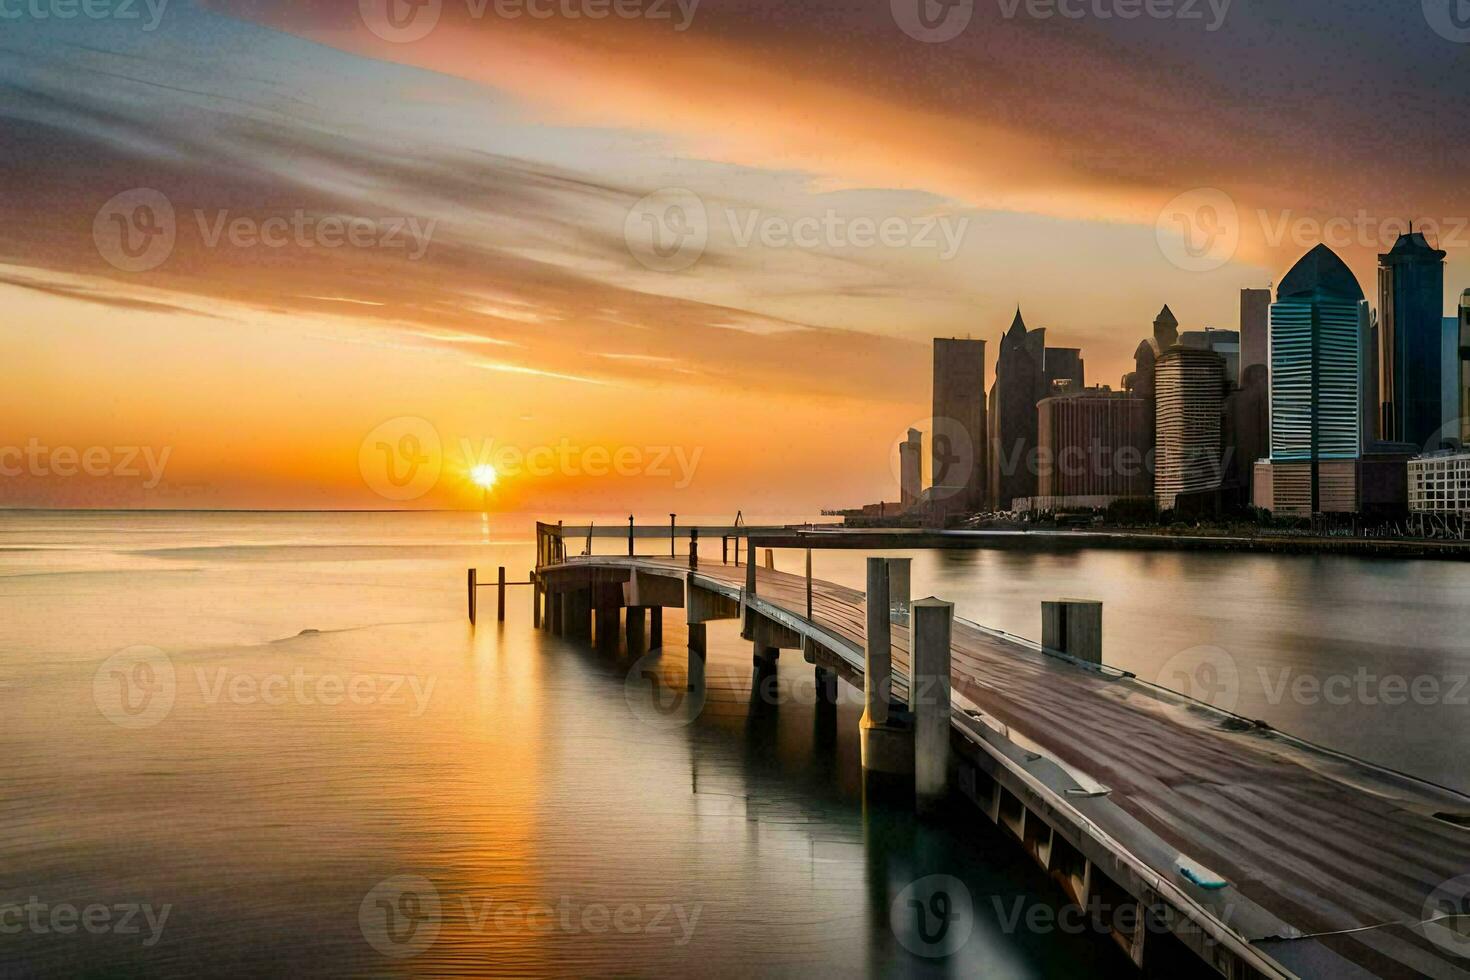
x=483 y=476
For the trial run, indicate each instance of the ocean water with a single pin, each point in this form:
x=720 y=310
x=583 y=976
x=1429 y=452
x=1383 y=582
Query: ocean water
x=261 y=743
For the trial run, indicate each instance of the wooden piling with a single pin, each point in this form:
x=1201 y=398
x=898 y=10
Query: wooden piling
x=932 y=624
x=500 y=595
x=470 y=578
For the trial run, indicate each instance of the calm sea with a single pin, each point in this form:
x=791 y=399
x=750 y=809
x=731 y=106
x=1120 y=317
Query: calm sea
x=261 y=743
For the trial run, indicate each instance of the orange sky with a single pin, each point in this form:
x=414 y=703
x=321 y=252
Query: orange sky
x=498 y=172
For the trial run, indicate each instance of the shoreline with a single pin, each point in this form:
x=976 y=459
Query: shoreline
x=1134 y=540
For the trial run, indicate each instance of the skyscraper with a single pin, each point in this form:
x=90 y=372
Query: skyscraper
x=1410 y=308
x=1319 y=327
x=1064 y=369
x=1141 y=383
x=910 y=468
x=1190 y=384
x=958 y=443
x=1255 y=306
x=1020 y=382
x=1465 y=368
x=1090 y=445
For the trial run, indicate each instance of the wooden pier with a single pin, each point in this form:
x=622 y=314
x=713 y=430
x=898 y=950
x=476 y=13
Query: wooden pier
x=1237 y=847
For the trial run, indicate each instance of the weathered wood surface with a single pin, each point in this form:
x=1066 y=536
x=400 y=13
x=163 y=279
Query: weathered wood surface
x=1326 y=843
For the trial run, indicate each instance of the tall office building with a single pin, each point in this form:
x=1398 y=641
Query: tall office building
x=1141 y=383
x=1410 y=310
x=910 y=468
x=1319 y=327
x=1090 y=446
x=957 y=444
x=1020 y=382
x=1465 y=368
x=1247 y=435
x=1064 y=370
x=1226 y=343
x=1255 y=307
x=1190 y=384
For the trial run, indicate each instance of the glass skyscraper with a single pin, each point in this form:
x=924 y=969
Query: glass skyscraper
x=1410 y=309
x=1318 y=324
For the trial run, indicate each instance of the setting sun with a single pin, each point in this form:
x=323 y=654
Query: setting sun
x=483 y=476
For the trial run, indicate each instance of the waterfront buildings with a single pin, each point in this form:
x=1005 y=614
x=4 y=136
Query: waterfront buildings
x=1410 y=310
x=957 y=445
x=910 y=469
x=1439 y=483
x=1090 y=449
x=1190 y=393
x=1318 y=333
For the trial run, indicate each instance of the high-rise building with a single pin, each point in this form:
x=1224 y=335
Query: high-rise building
x=1190 y=384
x=1090 y=445
x=1226 y=343
x=1464 y=359
x=957 y=445
x=1410 y=308
x=1448 y=434
x=1247 y=434
x=1020 y=382
x=1319 y=328
x=1064 y=369
x=1255 y=306
x=1145 y=360
x=910 y=468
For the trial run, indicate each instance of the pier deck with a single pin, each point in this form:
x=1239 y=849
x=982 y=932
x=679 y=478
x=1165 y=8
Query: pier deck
x=1331 y=861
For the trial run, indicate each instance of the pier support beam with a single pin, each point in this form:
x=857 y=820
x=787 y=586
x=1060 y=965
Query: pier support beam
x=1073 y=627
x=887 y=741
x=607 y=623
x=656 y=628
x=929 y=699
x=577 y=605
x=637 y=631
x=878 y=662
x=554 y=615
x=899 y=590
x=826 y=688
x=696 y=655
x=764 y=686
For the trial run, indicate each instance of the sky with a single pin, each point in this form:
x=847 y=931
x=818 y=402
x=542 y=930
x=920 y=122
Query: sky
x=645 y=255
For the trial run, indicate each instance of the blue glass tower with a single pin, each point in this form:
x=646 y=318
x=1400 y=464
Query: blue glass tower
x=1317 y=335
x=1410 y=309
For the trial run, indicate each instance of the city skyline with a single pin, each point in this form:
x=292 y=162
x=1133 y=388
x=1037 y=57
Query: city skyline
x=501 y=298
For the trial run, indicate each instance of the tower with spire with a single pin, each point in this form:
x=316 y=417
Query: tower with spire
x=1020 y=382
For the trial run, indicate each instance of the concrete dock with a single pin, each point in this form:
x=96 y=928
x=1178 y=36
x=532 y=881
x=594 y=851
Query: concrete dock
x=1238 y=847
